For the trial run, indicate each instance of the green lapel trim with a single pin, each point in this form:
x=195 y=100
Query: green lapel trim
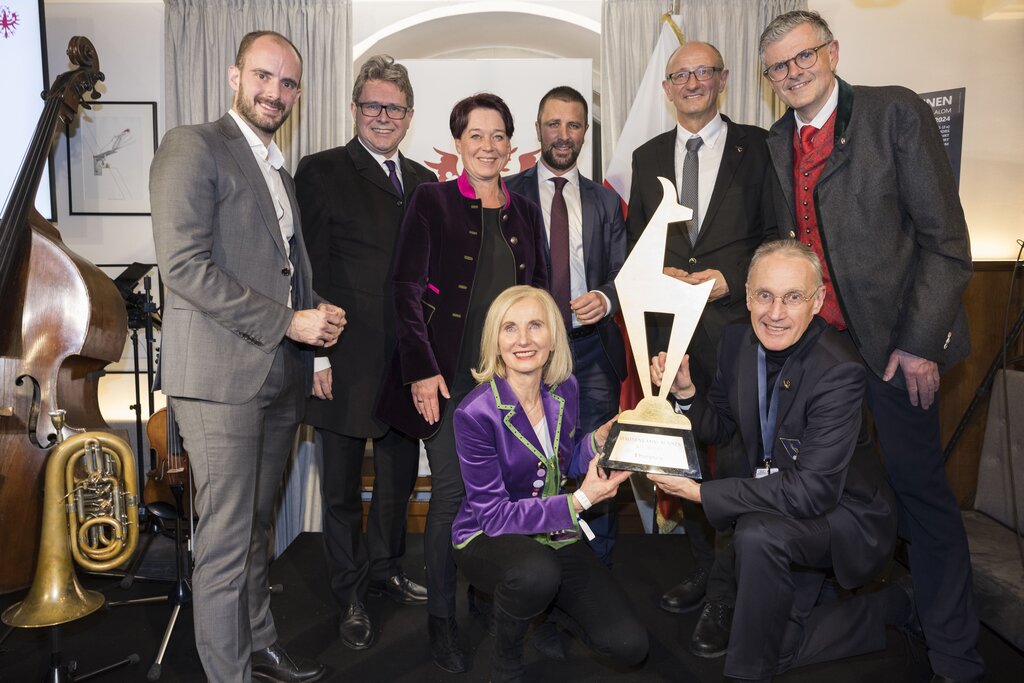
x=553 y=475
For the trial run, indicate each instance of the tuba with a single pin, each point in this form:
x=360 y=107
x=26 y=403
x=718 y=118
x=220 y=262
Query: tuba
x=90 y=512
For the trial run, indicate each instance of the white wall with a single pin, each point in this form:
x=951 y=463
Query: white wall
x=926 y=45
x=128 y=38
x=930 y=45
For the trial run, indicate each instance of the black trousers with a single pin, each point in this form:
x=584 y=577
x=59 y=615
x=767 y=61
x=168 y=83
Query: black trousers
x=779 y=623
x=446 y=494
x=351 y=562
x=599 y=402
x=930 y=521
x=526 y=577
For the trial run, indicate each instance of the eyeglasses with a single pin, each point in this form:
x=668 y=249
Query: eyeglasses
x=804 y=59
x=703 y=73
x=394 y=111
x=762 y=297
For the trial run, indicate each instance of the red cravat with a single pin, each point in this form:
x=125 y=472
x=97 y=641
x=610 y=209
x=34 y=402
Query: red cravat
x=806 y=137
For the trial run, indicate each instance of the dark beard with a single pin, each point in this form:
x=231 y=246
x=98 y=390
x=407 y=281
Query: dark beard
x=552 y=162
x=247 y=110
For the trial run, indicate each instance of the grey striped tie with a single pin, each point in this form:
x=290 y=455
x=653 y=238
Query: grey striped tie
x=688 y=186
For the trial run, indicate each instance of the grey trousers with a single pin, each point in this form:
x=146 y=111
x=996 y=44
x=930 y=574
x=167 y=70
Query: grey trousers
x=237 y=454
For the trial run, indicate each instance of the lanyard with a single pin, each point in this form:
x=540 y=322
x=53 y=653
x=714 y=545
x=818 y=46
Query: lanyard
x=769 y=414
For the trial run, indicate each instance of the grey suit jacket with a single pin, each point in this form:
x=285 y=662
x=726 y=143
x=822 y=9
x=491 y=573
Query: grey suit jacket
x=351 y=214
x=891 y=224
x=223 y=262
x=604 y=250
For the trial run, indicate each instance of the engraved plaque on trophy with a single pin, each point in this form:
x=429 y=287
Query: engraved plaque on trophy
x=653 y=437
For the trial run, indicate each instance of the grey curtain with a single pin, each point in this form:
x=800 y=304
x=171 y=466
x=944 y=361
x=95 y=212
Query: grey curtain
x=201 y=37
x=629 y=30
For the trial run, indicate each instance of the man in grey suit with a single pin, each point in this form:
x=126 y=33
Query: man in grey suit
x=725 y=179
x=352 y=200
x=594 y=247
x=240 y=318
x=878 y=204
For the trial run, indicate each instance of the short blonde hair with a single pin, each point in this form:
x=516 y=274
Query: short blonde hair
x=559 y=365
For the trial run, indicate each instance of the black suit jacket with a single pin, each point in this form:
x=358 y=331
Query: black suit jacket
x=891 y=225
x=604 y=250
x=828 y=467
x=351 y=215
x=740 y=217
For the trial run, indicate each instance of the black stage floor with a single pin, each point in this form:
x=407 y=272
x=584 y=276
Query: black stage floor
x=307 y=623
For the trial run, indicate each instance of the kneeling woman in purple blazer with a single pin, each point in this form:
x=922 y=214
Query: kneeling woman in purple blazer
x=516 y=534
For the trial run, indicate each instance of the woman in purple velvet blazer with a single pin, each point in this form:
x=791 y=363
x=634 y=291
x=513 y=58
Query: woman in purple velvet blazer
x=460 y=245
x=517 y=533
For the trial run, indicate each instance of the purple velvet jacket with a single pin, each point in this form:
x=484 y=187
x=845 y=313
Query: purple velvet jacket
x=511 y=487
x=434 y=270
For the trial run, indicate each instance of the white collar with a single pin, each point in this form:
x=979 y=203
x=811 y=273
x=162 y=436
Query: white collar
x=269 y=153
x=710 y=133
x=380 y=158
x=821 y=117
x=545 y=174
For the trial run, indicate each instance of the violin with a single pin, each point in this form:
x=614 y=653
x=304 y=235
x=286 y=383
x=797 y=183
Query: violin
x=172 y=468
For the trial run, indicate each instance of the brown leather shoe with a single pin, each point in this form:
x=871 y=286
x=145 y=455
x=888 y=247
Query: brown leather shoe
x=274 y=664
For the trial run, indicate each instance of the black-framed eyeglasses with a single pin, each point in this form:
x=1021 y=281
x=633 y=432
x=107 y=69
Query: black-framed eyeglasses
x=763 y=297
x=703 y=73
x=394 y=111
x=804 y=59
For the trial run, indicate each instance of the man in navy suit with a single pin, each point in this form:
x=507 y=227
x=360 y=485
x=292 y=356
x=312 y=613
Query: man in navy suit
x=731 y=200
x=596 y=250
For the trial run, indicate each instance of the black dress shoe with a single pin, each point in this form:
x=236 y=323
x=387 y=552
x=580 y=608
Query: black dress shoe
x=401 y=589
x=548 y=641
x=356 y=631
x=444 y=644
x=274 y=664
x=711 y=635
x=688 y=595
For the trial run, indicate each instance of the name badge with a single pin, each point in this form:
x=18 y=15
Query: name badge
x=762 y=472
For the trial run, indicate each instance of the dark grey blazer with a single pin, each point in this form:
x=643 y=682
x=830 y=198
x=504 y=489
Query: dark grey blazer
x=891 y=223
x=224 y=263
x=351 y=214
x=604 y=250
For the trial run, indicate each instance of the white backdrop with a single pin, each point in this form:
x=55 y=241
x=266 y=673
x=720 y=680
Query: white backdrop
x=440 y=83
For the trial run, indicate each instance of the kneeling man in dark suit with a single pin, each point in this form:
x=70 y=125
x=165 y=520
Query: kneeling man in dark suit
x=815 y=497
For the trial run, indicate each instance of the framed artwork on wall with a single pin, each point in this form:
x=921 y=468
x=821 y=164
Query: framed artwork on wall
x=110 y=148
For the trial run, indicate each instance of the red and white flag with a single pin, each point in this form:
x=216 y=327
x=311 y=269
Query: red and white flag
x=651 y=113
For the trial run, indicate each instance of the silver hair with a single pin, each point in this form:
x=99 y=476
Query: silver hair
x=791 y=248
x=383 y=68
x=784 y=23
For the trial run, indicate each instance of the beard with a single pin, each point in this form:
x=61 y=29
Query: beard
x=247 y=109
x=563 y=163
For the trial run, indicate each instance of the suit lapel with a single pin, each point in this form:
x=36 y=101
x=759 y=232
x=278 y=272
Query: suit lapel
x=780 y=148
x=732 y=156
x=410 y=178
x=591 y=242
x=368 y=167
x=515 y=419
x=746 y=395
x=240 y=150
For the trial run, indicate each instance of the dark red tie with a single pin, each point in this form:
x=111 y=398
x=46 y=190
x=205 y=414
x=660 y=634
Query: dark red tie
x=561 y=288
x=807 y=138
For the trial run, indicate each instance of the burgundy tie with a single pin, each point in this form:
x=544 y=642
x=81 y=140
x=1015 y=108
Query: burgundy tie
x=806 y=139
x=560 y=284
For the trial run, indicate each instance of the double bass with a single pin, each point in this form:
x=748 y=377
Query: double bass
x=62 y=320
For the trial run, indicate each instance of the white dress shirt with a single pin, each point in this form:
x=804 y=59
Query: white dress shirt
x=709 y=157
x=826 y=111
x=380 y=159
x=270 y=161
x=574 y=203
